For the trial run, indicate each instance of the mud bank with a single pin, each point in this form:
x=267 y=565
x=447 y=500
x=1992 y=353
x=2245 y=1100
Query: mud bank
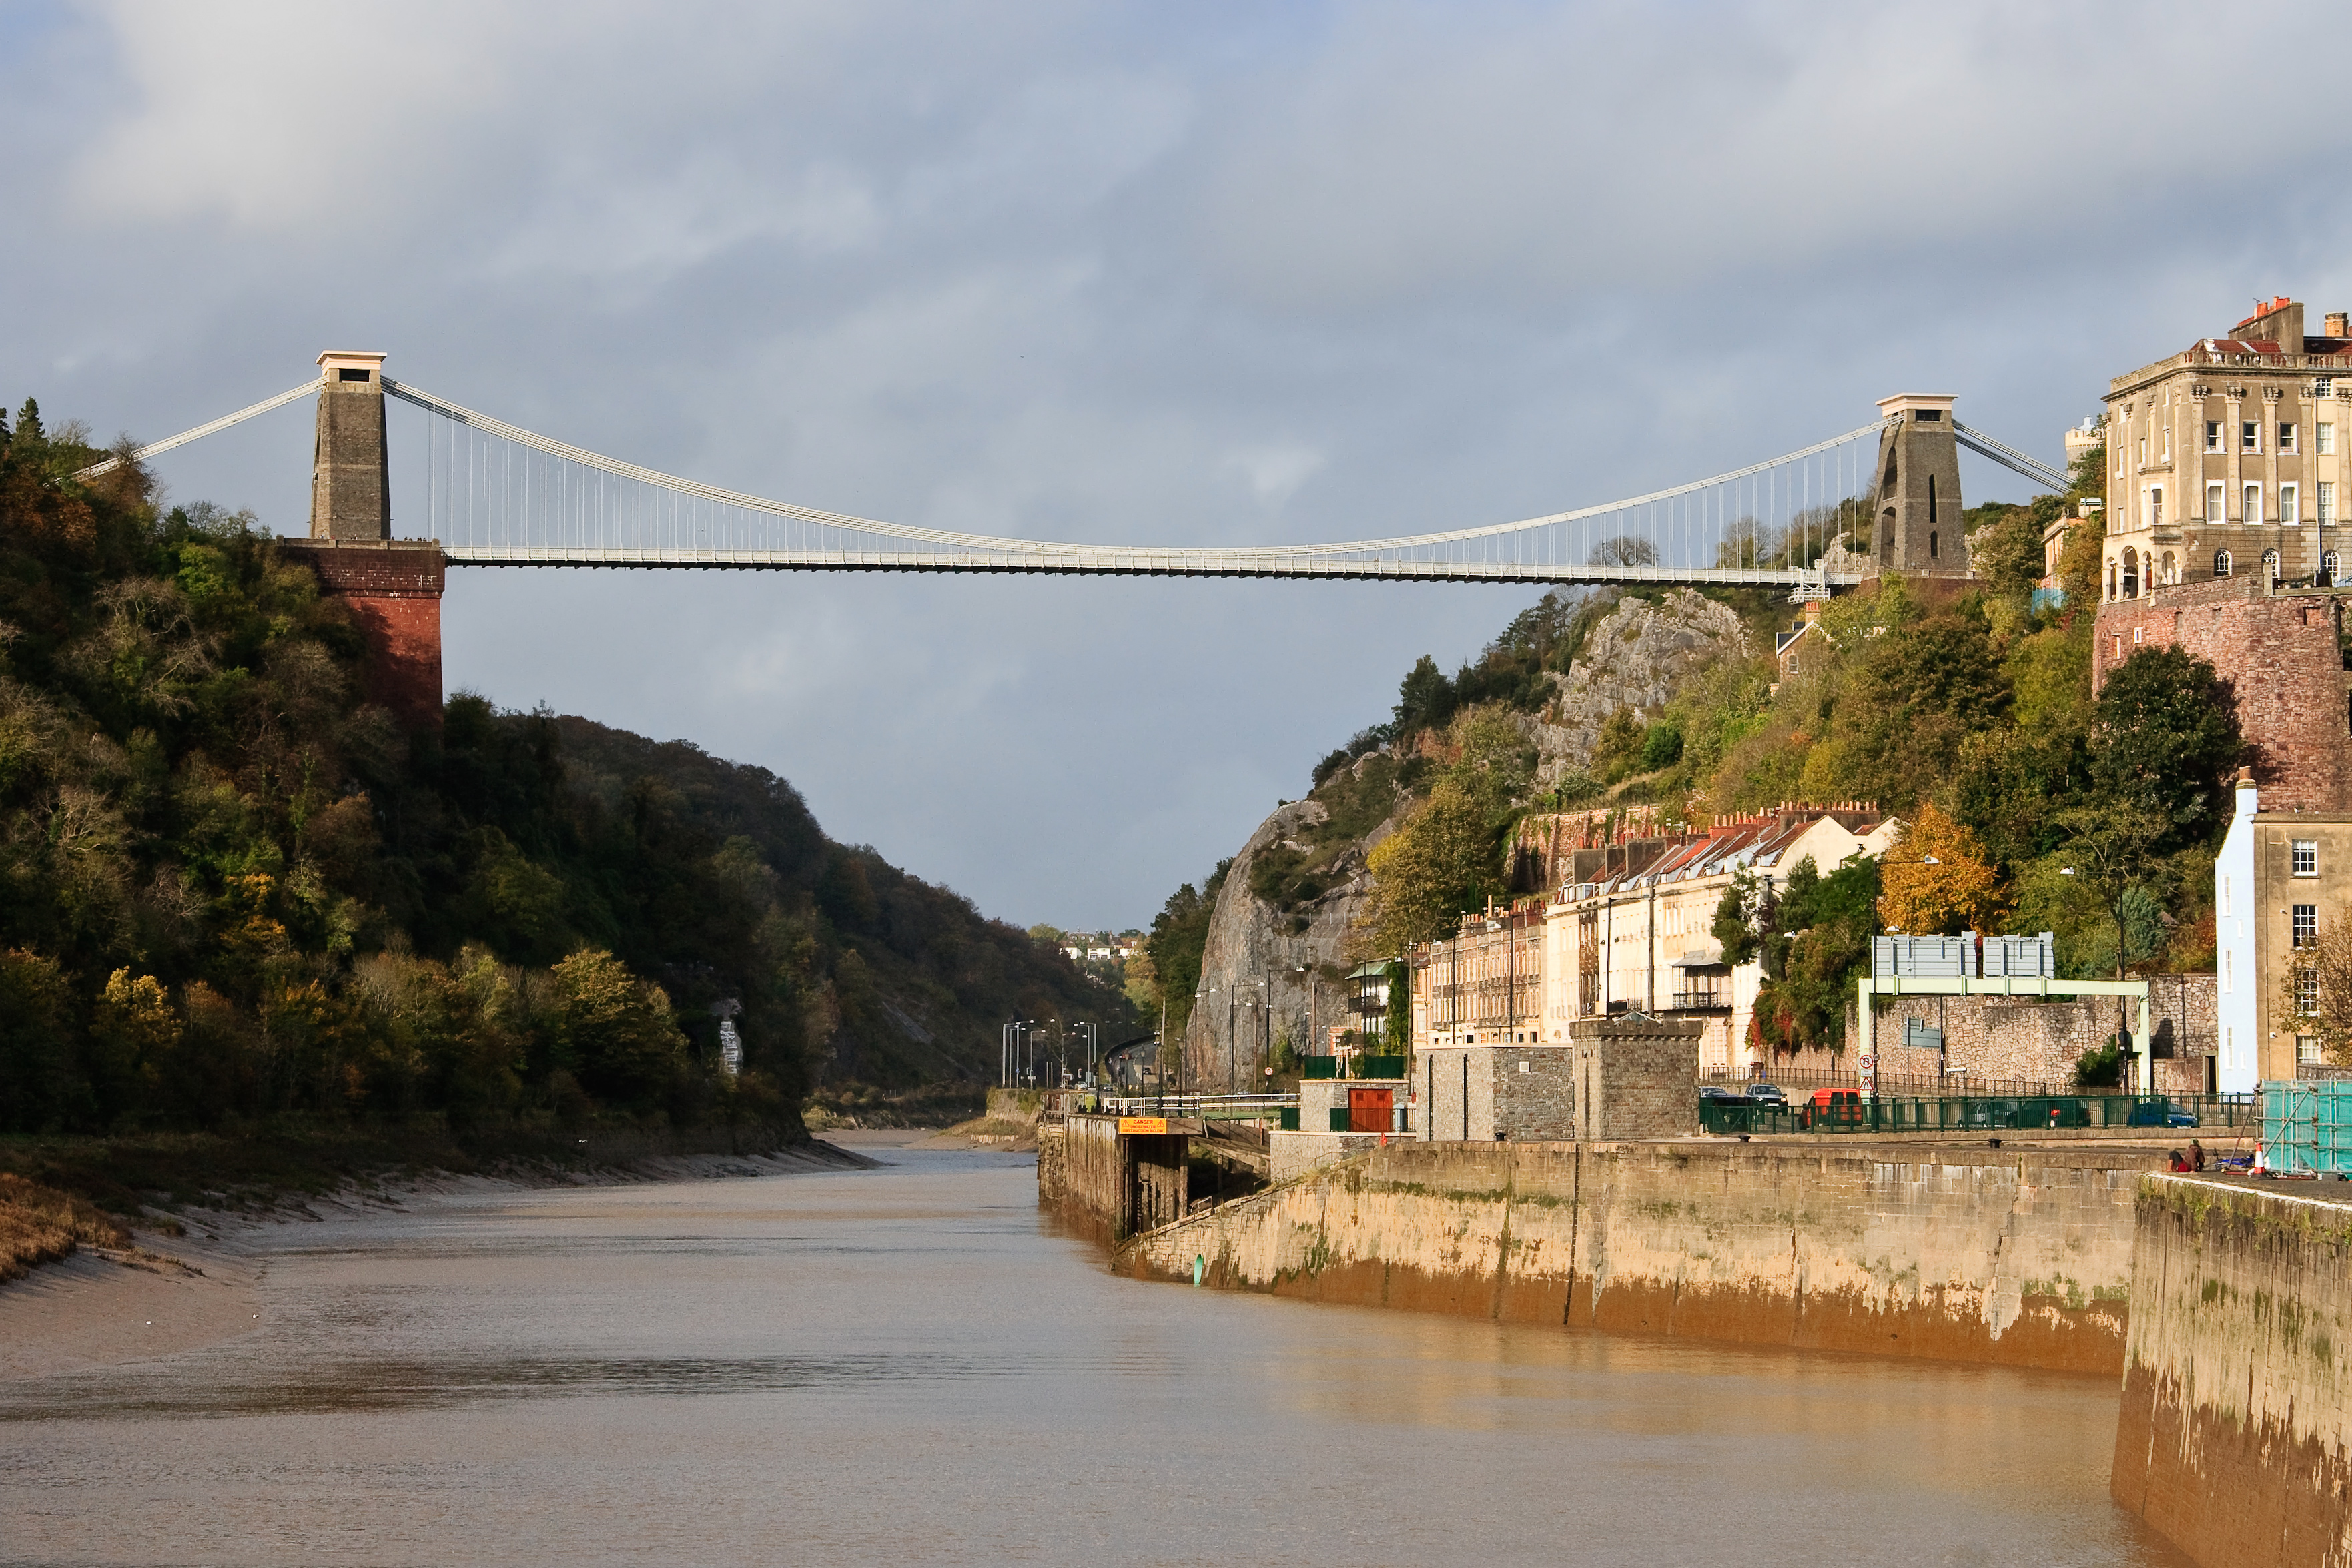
x=2237 y=1398
x=2017 y=1257
x=175 y=1292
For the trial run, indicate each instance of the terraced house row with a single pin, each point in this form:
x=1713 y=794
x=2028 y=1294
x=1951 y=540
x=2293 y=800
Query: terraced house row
x=1626 y=928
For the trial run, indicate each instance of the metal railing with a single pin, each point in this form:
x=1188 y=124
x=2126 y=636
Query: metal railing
x=1797 y=1085
x=2140 y=1114
x=1207 y=1107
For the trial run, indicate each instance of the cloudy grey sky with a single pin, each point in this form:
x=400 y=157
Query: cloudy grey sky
x=1150 y=273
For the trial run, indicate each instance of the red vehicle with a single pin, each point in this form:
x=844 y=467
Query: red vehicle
x=1831 y=1108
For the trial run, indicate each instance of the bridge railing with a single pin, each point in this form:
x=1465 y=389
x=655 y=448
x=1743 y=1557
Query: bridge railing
x=1207 y=1107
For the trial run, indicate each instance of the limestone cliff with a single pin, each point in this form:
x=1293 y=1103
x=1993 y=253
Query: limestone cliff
x=1262 y=952
x=1260 y=964
x=1637 y=658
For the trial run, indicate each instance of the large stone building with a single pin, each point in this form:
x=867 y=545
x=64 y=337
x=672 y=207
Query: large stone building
x=2226 y=463
x=2279 y=875
x=2228 y=457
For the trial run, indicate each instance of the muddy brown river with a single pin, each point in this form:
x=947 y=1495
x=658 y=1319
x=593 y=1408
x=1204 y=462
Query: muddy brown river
x=909 y=1365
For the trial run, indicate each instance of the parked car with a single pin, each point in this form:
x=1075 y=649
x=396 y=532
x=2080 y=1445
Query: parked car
x=1767 y=1094
x=2161 y=1113
x=1716 y=1094
x=1831 y=1108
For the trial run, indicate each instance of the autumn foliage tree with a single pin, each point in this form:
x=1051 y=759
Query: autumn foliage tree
x=1935 y=880
x=1440 y=861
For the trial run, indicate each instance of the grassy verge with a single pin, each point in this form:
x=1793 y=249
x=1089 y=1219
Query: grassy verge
x=41 y=1224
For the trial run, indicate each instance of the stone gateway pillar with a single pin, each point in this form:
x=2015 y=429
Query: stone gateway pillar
x=392 y=586
x=1915 y=513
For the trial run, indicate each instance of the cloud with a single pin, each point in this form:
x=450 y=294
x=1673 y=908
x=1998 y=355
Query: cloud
x=277 y=115
x=1275 y=472
x=1135 y=273
x=1542 y=151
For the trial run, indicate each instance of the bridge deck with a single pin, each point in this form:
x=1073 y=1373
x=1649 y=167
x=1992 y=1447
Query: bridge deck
x=1117 y=564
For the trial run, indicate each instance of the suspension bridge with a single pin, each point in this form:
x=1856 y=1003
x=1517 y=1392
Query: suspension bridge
x=1826 y=516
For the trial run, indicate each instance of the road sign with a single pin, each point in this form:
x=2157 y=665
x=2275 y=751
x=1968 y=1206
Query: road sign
x=1869 y=1075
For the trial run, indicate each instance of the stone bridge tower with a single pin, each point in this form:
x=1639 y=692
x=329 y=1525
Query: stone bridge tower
x=1916 y=525
x=393 y=586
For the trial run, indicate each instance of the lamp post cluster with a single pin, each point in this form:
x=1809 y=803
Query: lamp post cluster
x=1019 y=1050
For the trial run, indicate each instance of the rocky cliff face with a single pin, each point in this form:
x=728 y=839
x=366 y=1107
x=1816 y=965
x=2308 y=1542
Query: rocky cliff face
x=1268 y=974
x=1261 y=964
x=1637 y=658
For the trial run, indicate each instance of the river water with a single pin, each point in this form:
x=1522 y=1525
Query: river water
x=909 y=1364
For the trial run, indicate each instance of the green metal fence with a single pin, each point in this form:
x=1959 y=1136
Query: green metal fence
x=2142 y=1113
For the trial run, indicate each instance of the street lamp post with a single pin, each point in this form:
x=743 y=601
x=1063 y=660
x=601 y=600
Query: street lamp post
x=1266 y=1031
x=1308 y=971
x=1183 y=1073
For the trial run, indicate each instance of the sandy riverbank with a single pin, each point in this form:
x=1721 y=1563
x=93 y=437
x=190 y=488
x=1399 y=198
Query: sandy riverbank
x=100 y=1309
x=1005 y=1137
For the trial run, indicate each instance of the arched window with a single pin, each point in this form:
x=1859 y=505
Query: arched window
x=2166 y=578
x=2111 y=580
x=2131 y=573
x=2271 y=567
x=2221 y=563
x=2331 y=568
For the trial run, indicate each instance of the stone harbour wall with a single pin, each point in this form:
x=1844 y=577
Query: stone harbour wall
x=1974 y=1255
x=2237 y=1398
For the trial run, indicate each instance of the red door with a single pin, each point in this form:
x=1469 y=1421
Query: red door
x=1370 y=1110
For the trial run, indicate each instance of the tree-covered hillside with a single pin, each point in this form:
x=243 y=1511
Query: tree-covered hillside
x=231 y=891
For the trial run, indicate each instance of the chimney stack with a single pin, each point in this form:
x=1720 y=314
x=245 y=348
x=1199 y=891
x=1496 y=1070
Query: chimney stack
x=2339 y=324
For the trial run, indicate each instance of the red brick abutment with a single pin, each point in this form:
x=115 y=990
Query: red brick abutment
x=2220 y=1309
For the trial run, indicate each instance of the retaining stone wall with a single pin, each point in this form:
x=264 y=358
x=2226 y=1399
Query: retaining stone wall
x=1974 y=1255
x=2280 y=654
x=2002 y=1038
x=2237 y=1401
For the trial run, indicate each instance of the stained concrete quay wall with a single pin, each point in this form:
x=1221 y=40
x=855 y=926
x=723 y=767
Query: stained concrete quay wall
x=2018 y=1257
x=1111 y=1182
x=2237 y=1393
